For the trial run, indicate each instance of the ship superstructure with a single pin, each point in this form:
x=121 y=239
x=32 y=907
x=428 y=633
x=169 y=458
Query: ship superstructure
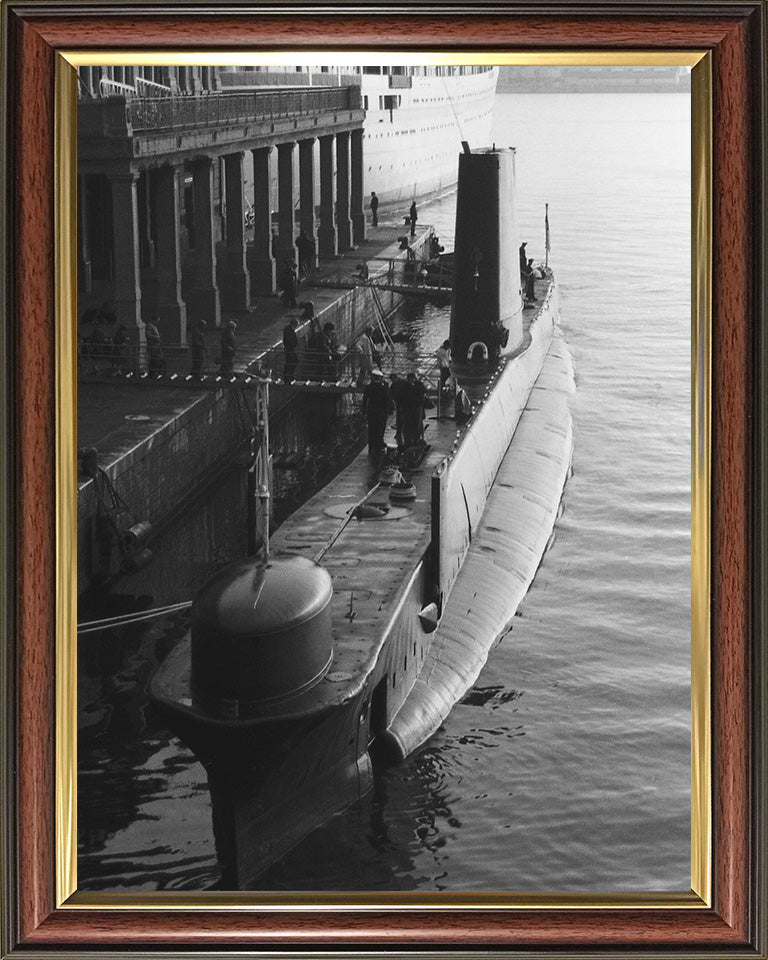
x=415 y=118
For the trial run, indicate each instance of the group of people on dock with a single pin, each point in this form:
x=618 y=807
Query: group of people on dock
x=411 y=219
x=322 y=354
x=405 y=398
x=107 y=345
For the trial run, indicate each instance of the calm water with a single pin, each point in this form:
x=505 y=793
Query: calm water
x=567 y=765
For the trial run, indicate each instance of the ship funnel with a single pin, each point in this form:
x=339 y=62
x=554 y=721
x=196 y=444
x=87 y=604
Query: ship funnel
x=487 y=307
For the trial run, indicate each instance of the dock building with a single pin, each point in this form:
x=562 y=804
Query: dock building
x=176 y=181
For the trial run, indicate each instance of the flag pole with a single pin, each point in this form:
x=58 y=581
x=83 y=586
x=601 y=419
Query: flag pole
x=546 y=236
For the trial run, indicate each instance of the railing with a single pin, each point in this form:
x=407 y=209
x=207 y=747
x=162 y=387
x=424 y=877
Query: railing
x=163 y=113
x=424 y=276
x=341 y=369
x=263 y=78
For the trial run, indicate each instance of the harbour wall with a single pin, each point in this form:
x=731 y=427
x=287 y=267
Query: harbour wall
x=200 y=440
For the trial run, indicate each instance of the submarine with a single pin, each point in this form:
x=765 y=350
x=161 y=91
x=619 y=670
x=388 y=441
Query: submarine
x=371 y=613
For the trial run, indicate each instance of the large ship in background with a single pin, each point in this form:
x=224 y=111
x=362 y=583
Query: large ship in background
x=416 y=118
x=415 y=122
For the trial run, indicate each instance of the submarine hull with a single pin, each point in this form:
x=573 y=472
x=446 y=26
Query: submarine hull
x=273 y=780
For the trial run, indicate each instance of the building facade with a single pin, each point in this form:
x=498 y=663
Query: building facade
x=190 y=195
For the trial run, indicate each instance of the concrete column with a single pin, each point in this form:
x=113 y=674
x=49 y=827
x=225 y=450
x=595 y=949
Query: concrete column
x=125 y=253
x=204 y=304
x=235 y=286
x=343 y=223
x=327 y=238
x=261 y=263
x=146 y=243
x=307 y=190
x=170 y=307
x=84 y=271
x=286 y=201
x=356 y=192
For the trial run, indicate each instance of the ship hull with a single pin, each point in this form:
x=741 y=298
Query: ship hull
x=272 y=781
x=506 y=550
x=410 y=152
x=275 y=779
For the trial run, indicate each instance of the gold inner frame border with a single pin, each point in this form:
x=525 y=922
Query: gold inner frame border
x=65 y=201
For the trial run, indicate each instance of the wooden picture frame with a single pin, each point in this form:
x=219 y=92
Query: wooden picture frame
x=35 y=922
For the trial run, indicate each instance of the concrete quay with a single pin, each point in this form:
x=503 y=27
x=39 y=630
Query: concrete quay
x=158 y=442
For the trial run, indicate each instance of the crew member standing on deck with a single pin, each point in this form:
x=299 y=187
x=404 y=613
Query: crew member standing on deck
x=443 y=354
x=414 y=215
x=290 y=350
x=523 y=262
x=374 y=210
x=377 y=405
x=413 y=411
x=530 y=283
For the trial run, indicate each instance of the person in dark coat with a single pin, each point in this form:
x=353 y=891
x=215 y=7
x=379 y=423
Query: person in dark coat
x=197 y=344
x=228 y=347
x=414 y=215
x=374 y=210
x=377 y=405
x=435 y=247
x=306 y=248
x=523 y=262
x=530 y=283
x=290 y=350
x=154 y=348
x=413 y=410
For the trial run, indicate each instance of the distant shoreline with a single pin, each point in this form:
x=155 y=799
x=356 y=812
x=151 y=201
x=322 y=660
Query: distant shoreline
x=591 y=89
x=593 y=80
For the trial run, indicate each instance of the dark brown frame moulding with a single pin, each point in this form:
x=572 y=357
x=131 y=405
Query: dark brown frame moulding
x=735 y=34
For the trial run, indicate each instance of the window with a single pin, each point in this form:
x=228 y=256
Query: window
x=389 y=102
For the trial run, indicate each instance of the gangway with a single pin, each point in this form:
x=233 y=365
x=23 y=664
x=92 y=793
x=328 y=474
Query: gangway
x=424 y=279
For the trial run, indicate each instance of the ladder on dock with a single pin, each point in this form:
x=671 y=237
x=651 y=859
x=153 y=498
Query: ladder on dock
x=381 y=321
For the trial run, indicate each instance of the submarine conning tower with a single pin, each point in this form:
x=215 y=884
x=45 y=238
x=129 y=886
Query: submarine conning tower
x=261 y=634
x=486 y=286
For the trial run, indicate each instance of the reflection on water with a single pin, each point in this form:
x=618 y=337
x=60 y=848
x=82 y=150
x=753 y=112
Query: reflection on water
x=567 y=765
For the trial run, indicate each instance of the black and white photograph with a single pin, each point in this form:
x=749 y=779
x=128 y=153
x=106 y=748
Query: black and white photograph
x=384 y=476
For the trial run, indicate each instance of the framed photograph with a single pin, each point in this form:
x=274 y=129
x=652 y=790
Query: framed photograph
x=384 y=479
